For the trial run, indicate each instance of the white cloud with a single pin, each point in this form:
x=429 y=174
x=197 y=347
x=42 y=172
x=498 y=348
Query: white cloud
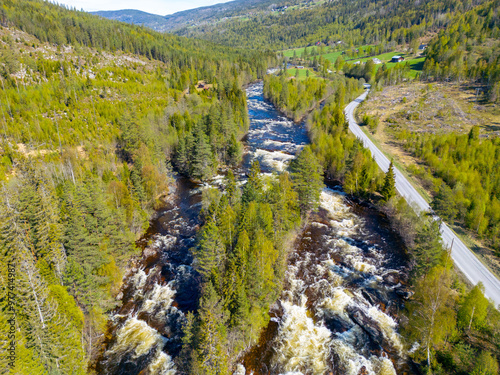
x=161 y=7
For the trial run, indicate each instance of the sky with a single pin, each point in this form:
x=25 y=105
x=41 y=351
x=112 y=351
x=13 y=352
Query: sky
x=161 y=7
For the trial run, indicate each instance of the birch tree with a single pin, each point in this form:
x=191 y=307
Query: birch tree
x=432 y=313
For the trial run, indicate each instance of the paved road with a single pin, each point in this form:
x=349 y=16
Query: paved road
x=464 y=259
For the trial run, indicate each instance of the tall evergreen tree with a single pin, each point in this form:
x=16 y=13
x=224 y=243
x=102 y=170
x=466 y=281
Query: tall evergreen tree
x=443 y=203
x=389 y=186
x=307 y=175
x=252 y=190
x=212 y=357
x=202 y=164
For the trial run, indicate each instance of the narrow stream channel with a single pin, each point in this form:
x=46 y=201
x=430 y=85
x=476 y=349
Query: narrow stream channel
x=337 y=313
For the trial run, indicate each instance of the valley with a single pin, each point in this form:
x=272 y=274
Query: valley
x=191 y=193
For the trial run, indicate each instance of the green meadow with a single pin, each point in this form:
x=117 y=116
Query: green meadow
x=302 y=73
x=416 y=63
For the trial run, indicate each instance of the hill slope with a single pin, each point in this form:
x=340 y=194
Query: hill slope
x=209 y=15
x=136 y=17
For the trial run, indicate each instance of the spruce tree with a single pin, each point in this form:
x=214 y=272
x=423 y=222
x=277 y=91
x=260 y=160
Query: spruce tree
x=212 y=354
x=210 y=252
x=389 y=186
x=443 y=203
x=201 y=165
x=252 y=190
x=307 y=175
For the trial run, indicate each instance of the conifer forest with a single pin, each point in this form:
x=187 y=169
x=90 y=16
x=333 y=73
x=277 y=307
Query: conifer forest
x=202 y=201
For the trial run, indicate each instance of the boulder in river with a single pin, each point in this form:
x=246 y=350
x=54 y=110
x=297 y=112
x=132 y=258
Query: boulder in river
x=405 y=293
x=392 y=277
x=367 y=324
x=336 y=323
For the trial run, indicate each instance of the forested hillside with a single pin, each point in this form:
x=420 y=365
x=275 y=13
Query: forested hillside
x=469 y=50
x=353 y=22
x=207 y=15
x=94 y=114
x=136 y=17
x=463 y=37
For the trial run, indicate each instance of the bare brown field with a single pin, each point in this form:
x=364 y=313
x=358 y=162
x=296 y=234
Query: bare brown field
x=434 y=108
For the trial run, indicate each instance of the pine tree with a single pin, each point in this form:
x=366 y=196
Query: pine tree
x=443 y=203
x=182 y=156
x=234 y=151
x=231 y=188
x=428 y=249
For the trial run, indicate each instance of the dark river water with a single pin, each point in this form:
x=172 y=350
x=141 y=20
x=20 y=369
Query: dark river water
x=337 y=313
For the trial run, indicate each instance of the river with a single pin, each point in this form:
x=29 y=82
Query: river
x=337 y=313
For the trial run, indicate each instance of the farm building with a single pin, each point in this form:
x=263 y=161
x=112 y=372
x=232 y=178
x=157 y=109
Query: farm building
x=397 y=59
x=377 y=61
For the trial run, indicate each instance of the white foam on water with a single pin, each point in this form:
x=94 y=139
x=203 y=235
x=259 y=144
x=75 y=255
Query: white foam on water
x=332 y=201
x=162 y=364
x=319 y=225
x=139 y=280
x=325 y=280
x=255 y=104
x=384 y=366
x=288 y=146
x=275 y=160
x=388 y=327
x=337 y=302
x=136 y=335
x=350 y=360
x=161 y=296
x=302 y=344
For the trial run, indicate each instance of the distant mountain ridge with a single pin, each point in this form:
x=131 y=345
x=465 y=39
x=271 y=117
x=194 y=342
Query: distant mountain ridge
x=191 y=17
x=136 y=17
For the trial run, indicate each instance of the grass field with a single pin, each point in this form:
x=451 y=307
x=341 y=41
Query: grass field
x=302 y=73
x=416 y=63
x=310 y=5
x=332 y=56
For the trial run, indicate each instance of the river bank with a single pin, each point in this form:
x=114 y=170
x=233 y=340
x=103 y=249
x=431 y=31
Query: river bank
x=145 y=333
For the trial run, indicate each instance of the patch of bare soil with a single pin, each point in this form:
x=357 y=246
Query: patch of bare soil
x=434 y=108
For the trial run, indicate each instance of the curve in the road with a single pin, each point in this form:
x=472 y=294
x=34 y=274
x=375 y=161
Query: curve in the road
x=463 y=257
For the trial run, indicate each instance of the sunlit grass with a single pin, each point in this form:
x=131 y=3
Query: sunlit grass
x=302 y=73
